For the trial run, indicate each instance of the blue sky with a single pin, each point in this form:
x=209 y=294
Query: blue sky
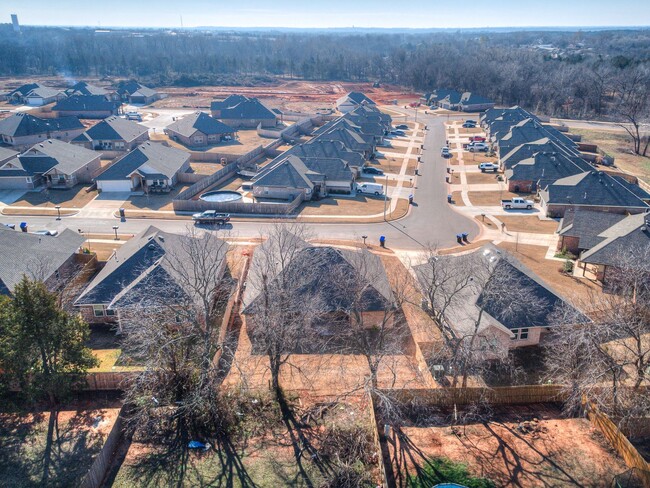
x=330 y=13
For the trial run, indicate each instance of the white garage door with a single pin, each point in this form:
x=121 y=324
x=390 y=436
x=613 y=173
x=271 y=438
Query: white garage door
x=110 y=185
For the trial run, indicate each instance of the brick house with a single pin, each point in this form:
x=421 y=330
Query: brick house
x=22 y=130
x=113 y=134
x=199 y=130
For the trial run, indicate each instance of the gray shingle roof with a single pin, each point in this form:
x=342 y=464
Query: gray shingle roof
x=591 y=188
x=161 y=159
x=44 y=92
x=587 y=225
x=83 y=88
x=23 y=89
x=6 y=154
x=139 y=268
x=113 y=128
x=326 y=149
x=630 y=233
x=86 y=103
x=251 y=108
x=33 y=255
x=469 y=98
x=202 y=122
x=134 y=88
x=350 y=139
x=546 y=167
x=357 y=98
x=290 y=173
x=230 y=101
x=69 y=158
x=24 y=124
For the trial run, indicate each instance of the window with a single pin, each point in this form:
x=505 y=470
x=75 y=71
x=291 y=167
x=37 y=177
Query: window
x=98 y=310
x=110 y=312
x=178 y=319
x=520 y=334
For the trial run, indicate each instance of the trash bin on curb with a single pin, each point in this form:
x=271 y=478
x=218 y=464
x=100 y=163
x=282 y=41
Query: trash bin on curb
x=448 y=198
x=122 y=215
x=382 y=241
x=459 y=238
x=465 y=235
x=23 y=226
x=411 y=199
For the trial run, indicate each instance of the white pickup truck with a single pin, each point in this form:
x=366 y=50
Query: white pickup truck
x=517 y=203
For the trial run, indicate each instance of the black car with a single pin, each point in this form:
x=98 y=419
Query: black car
x=402 y=126
x=468 y=125
x=373 y=171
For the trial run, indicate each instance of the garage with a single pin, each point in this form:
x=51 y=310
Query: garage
x=114 y=185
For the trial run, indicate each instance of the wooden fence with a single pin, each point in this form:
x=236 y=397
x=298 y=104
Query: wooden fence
x=225 y=172
x=272 y=209
x=511 y=395
x=383 y=456
x=109 y=380
x=190 y=177
x=620 y=443
x=94 y=478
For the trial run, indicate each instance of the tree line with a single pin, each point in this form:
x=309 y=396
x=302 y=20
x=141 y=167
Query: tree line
x=581 y=78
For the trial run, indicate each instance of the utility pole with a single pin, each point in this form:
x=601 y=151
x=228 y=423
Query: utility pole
x=385 y=197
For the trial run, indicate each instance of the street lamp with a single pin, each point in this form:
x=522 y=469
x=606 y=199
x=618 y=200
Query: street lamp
x=364 y=239
x=115 y=227
x=87 y=240
x=58 y=210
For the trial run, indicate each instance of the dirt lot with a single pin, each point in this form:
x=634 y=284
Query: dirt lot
x=528 y=223
x=576 y=290
x=557 y=452
x=75 y=197
x=619 y=146
x=491 y=198
x=25 y=445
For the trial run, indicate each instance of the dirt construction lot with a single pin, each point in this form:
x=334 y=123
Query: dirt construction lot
x=550 y=452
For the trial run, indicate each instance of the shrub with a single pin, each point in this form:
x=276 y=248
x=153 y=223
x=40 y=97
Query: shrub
x=567 y=267
x=443 y=470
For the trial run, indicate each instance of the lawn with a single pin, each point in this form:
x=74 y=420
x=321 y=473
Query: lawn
x=618 y=145
x=359 y=205
x=29 y=441
x=528 y=223
x=492 y=198
x=75 y=197
x=481 y=178
x=555 y=451
x=457 y=199
x=157 y=201
x=245 y=141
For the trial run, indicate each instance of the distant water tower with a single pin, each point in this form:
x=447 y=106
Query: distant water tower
x=14 y=22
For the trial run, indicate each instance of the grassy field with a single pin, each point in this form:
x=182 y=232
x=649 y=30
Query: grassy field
x=618 y=145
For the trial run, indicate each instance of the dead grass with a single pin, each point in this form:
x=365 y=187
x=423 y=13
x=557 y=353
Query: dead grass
x=75 y=197
x=205 y=168
x=466 y=247
x=534 y=257
x=457 y=199
x=618 y=145
x=560 y=452
x=528 y=223
x=245 y=141
x=104 y=250
x=491 y=198
x=382 y=180
x=481 y=178
x=359 y=205
x=158 y=201
x=36 y=212
x=486 y=222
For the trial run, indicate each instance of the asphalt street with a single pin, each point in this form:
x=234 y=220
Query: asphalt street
x=430 y=221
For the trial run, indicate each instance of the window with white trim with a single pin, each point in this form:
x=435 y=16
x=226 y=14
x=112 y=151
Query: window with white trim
x=110 y=312
x=520 y=334
x=98 y=310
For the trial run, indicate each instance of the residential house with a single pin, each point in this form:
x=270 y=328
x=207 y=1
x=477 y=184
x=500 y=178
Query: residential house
x=353 y=141
x=501 y=323
x=199 y=130
x=530 y=130
x=239 y=111
x=327 y=265
x=52 y=259
x=436 y=97
x=353 y=100
x=84 y=88
x=580 y=228
x=591 y=189
x=87 y=107
x=142 y=272
x=136 y=93
x=471 y=102
x=371 y=131
x=34 y=94
x=50 y=163
x=626 y=237
x=151 y=167
x=23 y=129
x=542 y=169
x=113 y=134
x=326 y=149
x=311 y=177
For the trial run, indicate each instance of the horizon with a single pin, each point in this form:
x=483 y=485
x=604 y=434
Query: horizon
x=336 y=14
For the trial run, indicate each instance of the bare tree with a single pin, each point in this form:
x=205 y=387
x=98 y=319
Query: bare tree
x=171 y=319
x=633 y=106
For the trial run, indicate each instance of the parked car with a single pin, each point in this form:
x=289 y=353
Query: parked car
x=46 y=232
x=398 y=132
x=402 y=126
x=371 y=188
x=133 y=116
x=477 y=139
x=468 y=125
x=477 y=147
x=10 y=226
x=227 y=138
x=471 y=122
x=373 y=171
x=488 y=167
x=211 y=217
x=517 y=203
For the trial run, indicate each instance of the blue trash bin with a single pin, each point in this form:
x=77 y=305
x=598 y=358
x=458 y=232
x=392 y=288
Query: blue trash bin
x=382 y=241
x=23 y=226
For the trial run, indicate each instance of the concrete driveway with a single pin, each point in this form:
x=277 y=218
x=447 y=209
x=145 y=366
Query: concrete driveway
x=7 y=197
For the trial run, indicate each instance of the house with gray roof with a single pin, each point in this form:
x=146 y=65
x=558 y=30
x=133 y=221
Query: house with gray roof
x=151 y=167
x=199 y=130
x=17 y=95
x=113 y=134
x=504 y=320
x=352 y=100
x=353 y=141
x=51 y=259
x=630 y=236
x=472 y=102
x=329 y=267
x=326 y=149
x=23 y=129
x=84 y=88
x=143 y=272
x=530 y=130
x=434 y=98
x=34 y=94
x=580 y=228
x=591 y=189
x=51 y=163
x=239 y=111
x=87 y=107
x=370 y=113
x=136 y=93
x=542 y=169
